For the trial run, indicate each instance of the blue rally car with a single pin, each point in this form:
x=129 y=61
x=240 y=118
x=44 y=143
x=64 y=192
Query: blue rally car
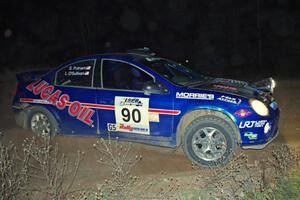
x=140 y=97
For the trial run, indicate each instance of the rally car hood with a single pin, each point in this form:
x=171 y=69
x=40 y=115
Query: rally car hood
x=236 y=87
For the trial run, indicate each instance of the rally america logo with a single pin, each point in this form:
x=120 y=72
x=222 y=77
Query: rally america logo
x=229 y=99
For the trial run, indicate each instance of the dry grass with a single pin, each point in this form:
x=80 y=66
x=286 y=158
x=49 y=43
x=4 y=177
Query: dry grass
x=242 y=180
x=119 y=158
x=50 y=173
x=45 y=173
x=13 y=176
x=238 y=180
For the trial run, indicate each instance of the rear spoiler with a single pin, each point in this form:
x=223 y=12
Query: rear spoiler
x=29 y=76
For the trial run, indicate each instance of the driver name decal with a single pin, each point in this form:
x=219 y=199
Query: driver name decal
x=56 y=98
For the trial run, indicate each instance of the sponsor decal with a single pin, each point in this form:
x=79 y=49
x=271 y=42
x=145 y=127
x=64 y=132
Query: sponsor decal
x=188 y=95
x=126 y=128
x=252 y=124
x=225 y=87
x=56 y=98
x=242 y=113
x=250 y=135
x=132 y=114
x=229 y=99
x=131 y=101
x=267 y=128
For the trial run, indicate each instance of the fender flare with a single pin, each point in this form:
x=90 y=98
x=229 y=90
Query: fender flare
x=193 y=114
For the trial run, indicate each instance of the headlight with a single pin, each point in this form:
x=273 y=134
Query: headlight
x=259 y=107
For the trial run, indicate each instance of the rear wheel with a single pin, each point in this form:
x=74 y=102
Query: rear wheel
x=209 y=141
x=42 y=122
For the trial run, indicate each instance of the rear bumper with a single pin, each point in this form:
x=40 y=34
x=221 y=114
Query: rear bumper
x=261 y=146
x=20 y=118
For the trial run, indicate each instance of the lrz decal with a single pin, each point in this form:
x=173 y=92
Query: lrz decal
x=187 y=95
x=229 y=99
x=56 y=98
x=251 y=124
x=132 y=114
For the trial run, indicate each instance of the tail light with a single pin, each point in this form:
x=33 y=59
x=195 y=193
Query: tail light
x=14 y=89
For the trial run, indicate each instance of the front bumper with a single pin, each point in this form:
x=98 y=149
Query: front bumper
x=265 y=131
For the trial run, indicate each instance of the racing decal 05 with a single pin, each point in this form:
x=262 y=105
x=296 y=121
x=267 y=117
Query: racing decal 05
x=49 y=96
x=229 y=99
x=188 y=95
x=132 y=114
x=252 y=124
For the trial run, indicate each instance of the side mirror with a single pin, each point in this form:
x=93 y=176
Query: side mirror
x=153 y=87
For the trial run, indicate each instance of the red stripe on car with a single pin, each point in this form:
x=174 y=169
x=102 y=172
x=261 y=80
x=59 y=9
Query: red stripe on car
x=105 y=107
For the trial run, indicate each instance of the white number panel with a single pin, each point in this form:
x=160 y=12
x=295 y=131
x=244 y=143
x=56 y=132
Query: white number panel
x=132 y=114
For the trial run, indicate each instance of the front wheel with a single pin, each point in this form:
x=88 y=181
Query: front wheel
x=209 y=141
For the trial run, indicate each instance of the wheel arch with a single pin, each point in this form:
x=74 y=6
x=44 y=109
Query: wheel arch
x=195 y=113
x=47 y=109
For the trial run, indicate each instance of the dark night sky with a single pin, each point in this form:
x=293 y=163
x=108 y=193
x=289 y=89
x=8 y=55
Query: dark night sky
x=224 y=38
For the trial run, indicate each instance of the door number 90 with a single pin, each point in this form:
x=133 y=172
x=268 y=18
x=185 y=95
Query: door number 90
x=135 y=115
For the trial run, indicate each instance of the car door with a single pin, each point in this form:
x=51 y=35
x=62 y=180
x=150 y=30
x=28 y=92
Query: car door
x=128 y=111
x=75 y=81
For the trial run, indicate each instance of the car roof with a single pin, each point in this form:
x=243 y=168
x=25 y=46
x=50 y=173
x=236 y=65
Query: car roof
x=129 y=55
x=133 y=54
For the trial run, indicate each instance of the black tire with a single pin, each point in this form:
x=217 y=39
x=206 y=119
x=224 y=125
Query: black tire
x=209 y=151
x=40 y=111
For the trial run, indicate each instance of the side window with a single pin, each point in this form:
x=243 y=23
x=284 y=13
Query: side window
x=76 y=74
x=120 y=75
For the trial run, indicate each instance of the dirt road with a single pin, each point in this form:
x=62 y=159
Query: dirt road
x=156 y=160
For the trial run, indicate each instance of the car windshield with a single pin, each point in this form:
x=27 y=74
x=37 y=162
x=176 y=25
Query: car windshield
x=174 y=72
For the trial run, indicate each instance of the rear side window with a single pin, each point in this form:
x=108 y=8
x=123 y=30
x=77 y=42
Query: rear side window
x=76 y=74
